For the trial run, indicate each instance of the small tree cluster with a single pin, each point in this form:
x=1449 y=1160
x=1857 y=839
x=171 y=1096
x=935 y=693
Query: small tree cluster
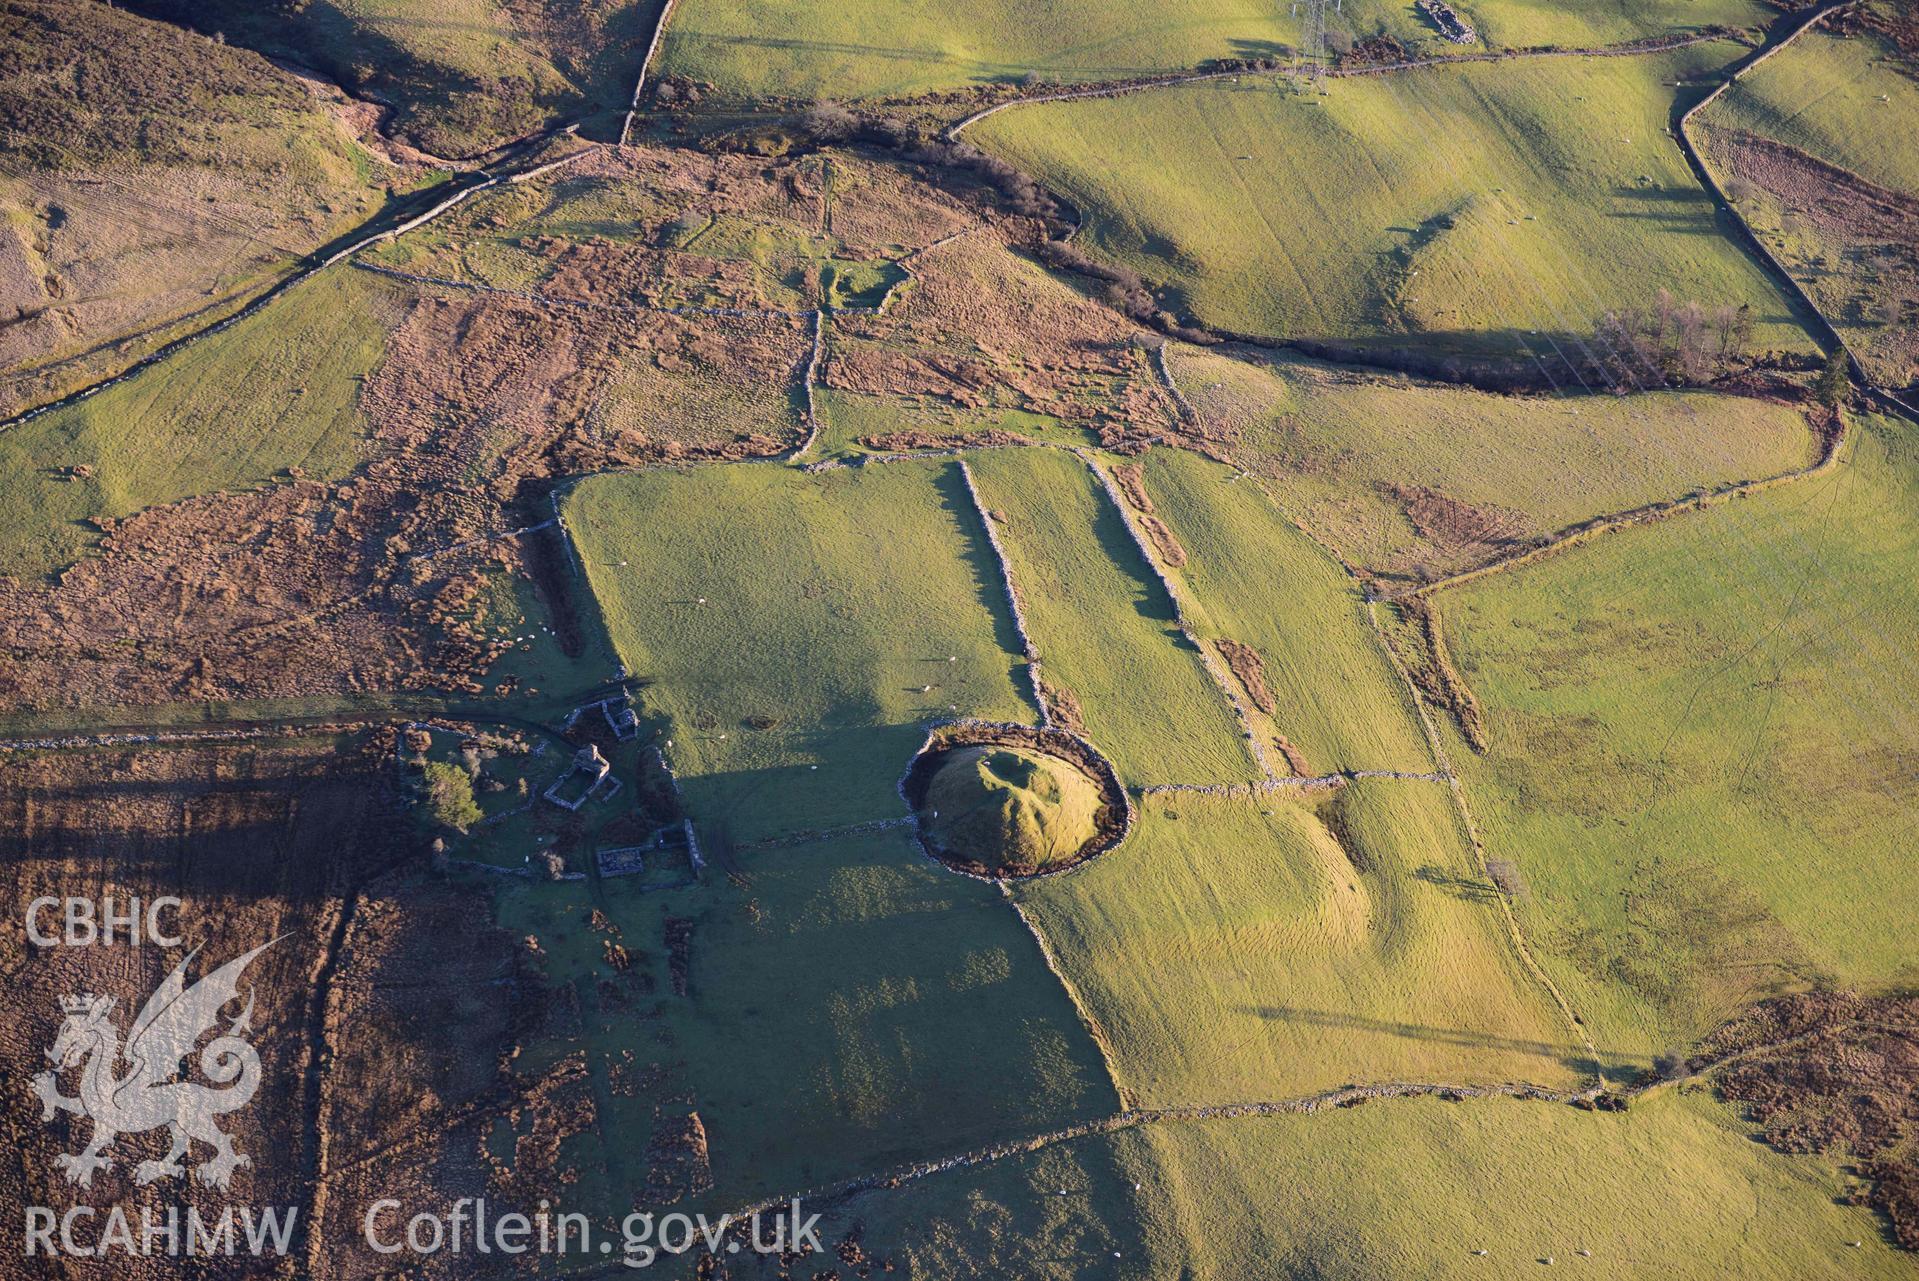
x=449 y=796
x=1671 y=342
x=1276 y=61
x=1125 y=290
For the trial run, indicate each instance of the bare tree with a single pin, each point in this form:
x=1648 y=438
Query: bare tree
x=830 y=122
x=1505 y=874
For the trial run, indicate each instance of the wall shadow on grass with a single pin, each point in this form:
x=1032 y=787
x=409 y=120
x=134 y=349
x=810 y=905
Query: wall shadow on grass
x=1573 y=1057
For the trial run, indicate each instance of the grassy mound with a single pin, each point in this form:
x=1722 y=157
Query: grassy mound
x=1009 y=810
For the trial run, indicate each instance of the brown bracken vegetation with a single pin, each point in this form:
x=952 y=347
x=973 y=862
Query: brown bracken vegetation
x=1834 y=1072
x=1431 y=667
x=1250 y=670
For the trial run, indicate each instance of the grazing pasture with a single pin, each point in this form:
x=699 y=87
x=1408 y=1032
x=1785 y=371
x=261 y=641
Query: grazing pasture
x=1257 y=580
x=902 y=1012
x=800 y=631
x=1103 y=624
x=1702 y=747
x=1403 y=1188
x=1474 y=211
x=1851 y=101
x=279 y=389
x=1245 y=948
x=750 y=48
x=1401 y=475
x=1673 y=1188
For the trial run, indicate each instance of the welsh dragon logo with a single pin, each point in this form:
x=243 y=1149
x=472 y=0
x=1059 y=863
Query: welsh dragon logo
x=152 y=1092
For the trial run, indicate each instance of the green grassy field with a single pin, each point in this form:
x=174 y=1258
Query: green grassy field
x=1672 y=1189
x=1702 y=741
x=847 y=1006
x=1845 y=100
x=1104 y=626
x=1256 y=579
x=848 y=416
x=797 y=693
x=1398 y=1189
x=1462 y=208
x=758 y=47
x=280 y=389
x=1328 y=443
x=1266 y=948
x=900 y=1011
